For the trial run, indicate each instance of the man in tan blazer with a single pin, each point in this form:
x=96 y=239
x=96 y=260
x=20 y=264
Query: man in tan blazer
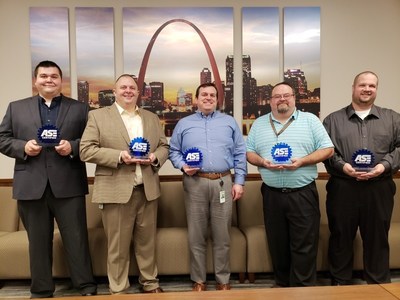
x=126 y=187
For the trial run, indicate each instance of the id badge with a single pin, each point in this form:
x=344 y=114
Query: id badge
x=222 y=197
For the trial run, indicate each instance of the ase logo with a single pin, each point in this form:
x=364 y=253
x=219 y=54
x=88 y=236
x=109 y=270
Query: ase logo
x=192 y=157
x=49 y=134
x=142 y=147
x=280 y=152
x=139 y=147
x=363 y=159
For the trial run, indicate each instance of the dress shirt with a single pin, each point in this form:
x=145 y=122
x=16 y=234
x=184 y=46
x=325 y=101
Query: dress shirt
x=49 y=114
x=304 y=135
x=134 y=126
x=379 y=132
x=217 y=136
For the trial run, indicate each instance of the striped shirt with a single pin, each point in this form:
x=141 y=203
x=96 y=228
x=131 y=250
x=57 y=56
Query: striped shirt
x=304 y=135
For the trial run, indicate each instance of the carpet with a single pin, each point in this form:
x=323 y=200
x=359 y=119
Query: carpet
x=19 y=289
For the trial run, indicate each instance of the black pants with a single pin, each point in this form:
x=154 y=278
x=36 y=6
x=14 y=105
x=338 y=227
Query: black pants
x=292 y=226
x=38 y=219
x=366 y=205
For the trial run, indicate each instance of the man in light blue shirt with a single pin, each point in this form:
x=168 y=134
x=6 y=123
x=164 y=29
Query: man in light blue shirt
x=286 y=145
x=209 y=190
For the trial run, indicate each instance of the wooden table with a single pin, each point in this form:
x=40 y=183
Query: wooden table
x=393 y=288
x=353 y=292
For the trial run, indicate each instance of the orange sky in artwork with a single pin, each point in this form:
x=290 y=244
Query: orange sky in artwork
x=97 y=84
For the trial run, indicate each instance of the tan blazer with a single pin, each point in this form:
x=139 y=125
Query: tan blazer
x=105 y=136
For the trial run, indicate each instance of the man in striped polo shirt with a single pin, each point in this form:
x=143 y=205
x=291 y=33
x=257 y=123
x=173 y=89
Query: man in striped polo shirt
x=286 y=145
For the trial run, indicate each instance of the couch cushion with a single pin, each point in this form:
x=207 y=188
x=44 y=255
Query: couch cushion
x=93 y=212
x=250 y=207
x=173 y=256
x=8 y=207
x=14 y=256
x=258 y=257
x=396 y=209
x=171 y=206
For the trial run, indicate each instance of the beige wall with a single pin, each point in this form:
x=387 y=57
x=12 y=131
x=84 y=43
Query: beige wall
x=355 y=35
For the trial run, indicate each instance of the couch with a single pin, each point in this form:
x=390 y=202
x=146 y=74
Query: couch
x=249 y=253
x=172 y=242
x=250 y=218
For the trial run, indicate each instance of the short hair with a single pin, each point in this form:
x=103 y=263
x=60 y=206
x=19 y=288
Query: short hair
x=46 y=64
x=365 y=72
x=203 y=85
x=284 y=83
x=127 y=75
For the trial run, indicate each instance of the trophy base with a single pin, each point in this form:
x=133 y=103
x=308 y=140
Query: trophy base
x=48 y=145
x=359 y=169
x=195 y=166
x=140 y=157
x=282 y=162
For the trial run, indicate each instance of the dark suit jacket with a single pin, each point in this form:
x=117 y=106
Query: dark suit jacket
x=66 y=174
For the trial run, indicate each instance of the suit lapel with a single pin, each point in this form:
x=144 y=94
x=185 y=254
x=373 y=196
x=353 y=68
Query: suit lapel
x=64 y=108
x=119 y=123
x=34 y=111
x=145 y=125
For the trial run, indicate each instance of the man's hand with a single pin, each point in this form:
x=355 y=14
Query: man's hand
x=128 y=159
x=32 y=148
x=64 y=148
x=190 y=171
x=296 y=163
x=363 y=175
x=266 y=163
x=237 y=192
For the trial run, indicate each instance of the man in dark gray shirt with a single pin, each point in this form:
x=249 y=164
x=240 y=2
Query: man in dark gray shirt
x=361 y=188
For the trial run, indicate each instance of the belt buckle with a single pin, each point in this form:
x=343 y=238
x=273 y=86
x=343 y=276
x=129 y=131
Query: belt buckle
x=286 y=190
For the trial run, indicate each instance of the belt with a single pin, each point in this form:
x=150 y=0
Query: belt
x=213 y=176
x=290 y=190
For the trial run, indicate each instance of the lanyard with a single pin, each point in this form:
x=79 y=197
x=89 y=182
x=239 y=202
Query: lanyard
x=283 y=128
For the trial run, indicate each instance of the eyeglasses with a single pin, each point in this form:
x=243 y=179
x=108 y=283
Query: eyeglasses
x=284 y=96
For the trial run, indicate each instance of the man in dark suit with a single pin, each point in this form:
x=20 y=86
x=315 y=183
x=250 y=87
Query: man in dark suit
x=49 y=179
x=126 y=187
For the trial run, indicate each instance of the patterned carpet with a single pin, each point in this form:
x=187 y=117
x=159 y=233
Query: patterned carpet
x=19 y=289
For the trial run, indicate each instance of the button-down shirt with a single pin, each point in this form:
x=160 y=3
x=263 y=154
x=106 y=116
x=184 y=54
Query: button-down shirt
x=134 y=126
x=219 y=139
x=49 y=114
x=379 y=132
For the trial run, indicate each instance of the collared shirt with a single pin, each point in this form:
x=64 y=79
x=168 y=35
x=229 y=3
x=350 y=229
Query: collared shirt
x=304 y=135
x=217 y=136
x=134 y=126
x=379 y=132
x=49 y=114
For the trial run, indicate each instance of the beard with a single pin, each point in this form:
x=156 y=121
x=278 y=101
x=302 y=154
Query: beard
x=283 y=108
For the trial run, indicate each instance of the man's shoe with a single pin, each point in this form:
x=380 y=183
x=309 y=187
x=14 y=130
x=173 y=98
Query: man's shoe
x=90 y=294
x=156 y=290
x=334 y=282
x=35 y=296
x=199 y=287
x=119 y=293
x=223 y=287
